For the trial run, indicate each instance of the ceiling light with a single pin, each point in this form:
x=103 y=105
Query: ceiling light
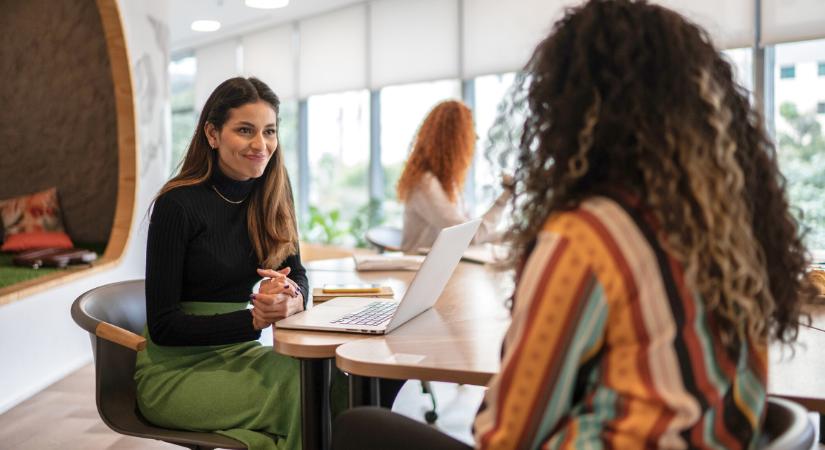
x=266 y=4
x=206 y=25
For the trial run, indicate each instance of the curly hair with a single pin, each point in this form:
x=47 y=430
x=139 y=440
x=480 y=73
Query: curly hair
x=444 y=147
x=633 y=96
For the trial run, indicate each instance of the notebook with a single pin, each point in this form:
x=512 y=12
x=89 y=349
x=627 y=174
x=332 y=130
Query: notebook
x=388 y=262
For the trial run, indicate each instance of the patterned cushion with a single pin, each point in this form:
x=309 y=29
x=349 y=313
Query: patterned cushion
x=35 y=213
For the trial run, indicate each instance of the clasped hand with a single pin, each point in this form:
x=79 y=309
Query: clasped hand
x=277 y=297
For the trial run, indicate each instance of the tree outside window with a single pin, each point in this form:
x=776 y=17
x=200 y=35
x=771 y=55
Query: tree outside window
x=799 y=136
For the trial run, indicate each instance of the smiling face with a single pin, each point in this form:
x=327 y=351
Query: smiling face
x=247 y=140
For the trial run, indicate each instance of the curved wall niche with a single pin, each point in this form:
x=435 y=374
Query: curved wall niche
x=68 y=121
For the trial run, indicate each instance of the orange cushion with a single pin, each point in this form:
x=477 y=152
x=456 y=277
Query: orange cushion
x=36 y=239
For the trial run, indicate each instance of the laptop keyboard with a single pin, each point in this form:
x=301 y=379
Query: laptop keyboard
x=375 y=313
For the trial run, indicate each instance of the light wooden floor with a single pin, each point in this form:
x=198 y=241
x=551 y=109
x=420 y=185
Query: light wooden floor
x=64 y=416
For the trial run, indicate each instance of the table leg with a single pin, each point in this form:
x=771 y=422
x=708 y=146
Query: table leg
x=363 y=391
x=315 y=412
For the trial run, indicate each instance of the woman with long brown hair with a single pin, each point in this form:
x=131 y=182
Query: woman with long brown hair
x=654 y=250
x=226 y=220
x=430 y=186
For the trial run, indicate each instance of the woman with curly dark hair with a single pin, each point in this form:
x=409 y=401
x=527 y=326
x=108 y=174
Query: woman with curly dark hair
x=430 y=186
x=654 y=250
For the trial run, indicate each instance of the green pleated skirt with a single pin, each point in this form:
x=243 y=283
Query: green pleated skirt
x=245 y=391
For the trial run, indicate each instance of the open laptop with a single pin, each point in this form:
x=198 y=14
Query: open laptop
x=380 y=316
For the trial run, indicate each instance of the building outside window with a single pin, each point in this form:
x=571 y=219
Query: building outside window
x=184 y=117
x=799 y=136
x=821 y=69
x=787 y=72
x=403 y=108
x=338 y=152
x=820 y=108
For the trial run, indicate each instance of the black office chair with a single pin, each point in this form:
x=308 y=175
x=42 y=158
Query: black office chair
x=114 y=315
x=385 y=239
x=787 y=426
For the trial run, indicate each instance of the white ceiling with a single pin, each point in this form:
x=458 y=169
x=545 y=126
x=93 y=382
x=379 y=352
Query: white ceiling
x=236 y=18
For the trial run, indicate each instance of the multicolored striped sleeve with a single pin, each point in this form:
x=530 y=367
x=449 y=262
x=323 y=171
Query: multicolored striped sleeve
x=558 y=325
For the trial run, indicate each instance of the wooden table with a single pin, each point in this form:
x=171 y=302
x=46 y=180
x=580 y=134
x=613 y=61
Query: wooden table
x=458 y=340
x=314 y=349
x=473 y=298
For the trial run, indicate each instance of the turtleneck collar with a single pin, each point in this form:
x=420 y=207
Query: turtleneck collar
x=233 y=190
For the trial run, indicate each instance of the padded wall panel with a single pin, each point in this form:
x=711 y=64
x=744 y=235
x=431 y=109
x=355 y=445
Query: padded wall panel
x=57 y=113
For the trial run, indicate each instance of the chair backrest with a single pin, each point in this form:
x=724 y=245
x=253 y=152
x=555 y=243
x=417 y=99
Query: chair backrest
x=385 y=238
x=123 y=305
x=787 y=426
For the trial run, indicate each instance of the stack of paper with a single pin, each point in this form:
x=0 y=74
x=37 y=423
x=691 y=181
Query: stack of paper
x=387 y=262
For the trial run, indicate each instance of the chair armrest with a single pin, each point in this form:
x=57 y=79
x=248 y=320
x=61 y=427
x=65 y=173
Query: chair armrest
x=120 y=336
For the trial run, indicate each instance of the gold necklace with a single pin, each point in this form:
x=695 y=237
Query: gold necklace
x=230 y=201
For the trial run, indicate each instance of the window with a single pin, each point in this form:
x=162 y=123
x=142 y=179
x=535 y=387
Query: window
x=288 y=136
x=491 y=98
x=787 y=72
x=742 y=61
x=403 y=108
x=799 y=136
x=338 y=152
x=820 y=108
x=184 y=117
x=821 y=69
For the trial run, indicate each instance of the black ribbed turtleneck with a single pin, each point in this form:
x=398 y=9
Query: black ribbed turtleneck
x=233 y=190
x=199 y=250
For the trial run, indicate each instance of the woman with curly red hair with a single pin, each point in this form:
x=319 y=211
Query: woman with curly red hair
x=433 y=178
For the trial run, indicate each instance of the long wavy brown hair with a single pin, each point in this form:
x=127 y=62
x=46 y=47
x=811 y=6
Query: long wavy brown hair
x=444 y=147
x=271 y=214
x=631 y=95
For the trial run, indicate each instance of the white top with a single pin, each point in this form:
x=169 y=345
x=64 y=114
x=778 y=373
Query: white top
x=428 y=209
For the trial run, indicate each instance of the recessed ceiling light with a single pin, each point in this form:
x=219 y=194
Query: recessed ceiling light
x=206 y=25
x=266 y=4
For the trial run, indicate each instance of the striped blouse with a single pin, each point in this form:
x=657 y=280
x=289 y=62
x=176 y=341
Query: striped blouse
x=608 y=348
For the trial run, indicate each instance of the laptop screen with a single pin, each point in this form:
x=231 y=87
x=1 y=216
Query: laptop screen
x=435 y=271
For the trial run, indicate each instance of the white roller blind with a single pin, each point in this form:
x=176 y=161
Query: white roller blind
x=332 y=55
x=729 y=22
x=413 y=41
x=269 y=56
x=792 y=20
x=499 y=36
x=215 y=64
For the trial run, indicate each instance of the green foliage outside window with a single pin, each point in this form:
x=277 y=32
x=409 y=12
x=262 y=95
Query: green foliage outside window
x=324 y=227
x=327 y=227
x=344 y=213
x=802 y=159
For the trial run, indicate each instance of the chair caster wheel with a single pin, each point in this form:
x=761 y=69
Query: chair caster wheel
x=431 y=417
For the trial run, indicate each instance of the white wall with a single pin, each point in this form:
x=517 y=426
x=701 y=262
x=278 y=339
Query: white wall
x=39 y=341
